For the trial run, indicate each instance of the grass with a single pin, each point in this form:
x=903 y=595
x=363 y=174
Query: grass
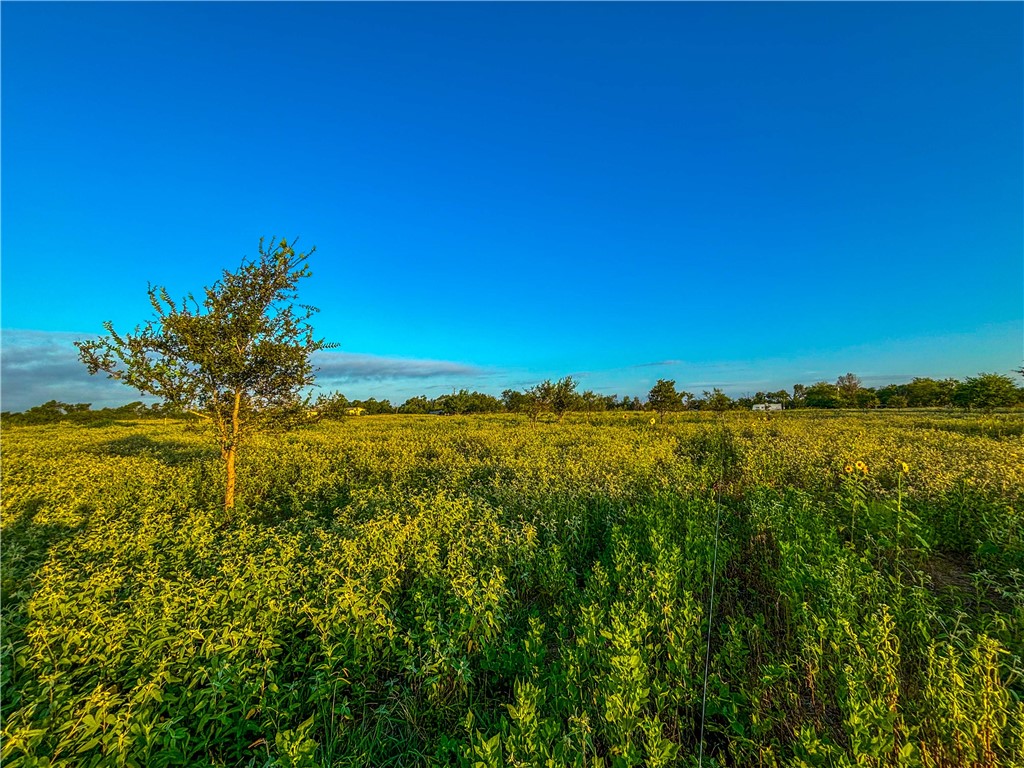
x=485 y=591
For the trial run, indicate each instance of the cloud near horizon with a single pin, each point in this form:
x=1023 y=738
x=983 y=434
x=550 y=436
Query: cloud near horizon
x=38 y=366
x=347 y=367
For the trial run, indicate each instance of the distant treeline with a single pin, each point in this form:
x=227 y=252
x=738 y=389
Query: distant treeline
x=82 y=413
x=985 y=391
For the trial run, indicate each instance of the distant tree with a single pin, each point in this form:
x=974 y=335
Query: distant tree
x=946 y=389
x=564 y=397
x=847 y=387
x=454 y=404
x=538 y=399
x=799 y=395
x=558 y=398
x=822 y=395
x=330 y=406
x=926 y=393
x=590 y=402
x=133 y=410
x=515 y=401
x=987 y=391
x=630 y=404
x=663 y=398
x=54 y=411
x=717 y=400
x=481 y=402
x=889 y=391
x=897 y=401
x=418 y=404
x=374 y=407
x=51 y=412
x=164 y=411
x=464 y=401
x=866 y=398
x=240 y=359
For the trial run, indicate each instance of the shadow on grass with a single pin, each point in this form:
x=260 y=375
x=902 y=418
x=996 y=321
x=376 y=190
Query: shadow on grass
x=168 y=452
x=26 y=548
x=26 y=544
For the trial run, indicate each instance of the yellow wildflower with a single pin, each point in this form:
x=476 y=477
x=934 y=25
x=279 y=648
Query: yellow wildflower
x=848 y=469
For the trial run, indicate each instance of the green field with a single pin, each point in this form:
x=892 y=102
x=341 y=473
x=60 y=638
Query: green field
x=486 y=591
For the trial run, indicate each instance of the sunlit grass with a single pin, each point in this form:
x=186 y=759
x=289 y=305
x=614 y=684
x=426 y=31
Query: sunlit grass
x=486 y=591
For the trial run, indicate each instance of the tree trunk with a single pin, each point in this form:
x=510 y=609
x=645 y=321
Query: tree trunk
x=229 y=489
x=229 y=454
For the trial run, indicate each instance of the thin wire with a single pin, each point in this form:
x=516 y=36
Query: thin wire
x=714 y=571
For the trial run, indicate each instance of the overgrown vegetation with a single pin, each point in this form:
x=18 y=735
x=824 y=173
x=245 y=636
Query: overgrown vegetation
x=488 y=591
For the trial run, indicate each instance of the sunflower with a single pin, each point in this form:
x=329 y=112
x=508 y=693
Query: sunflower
x=848 y=469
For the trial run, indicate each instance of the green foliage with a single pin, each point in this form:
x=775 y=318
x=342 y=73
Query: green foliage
x=241 y=358
x=716 y=400
x=487 y=592
x=558 y=398
x=987 y=391
x=925 y=392
x=848 y=387
x=822 y=395
x=515 y=401
x=244 y=339
x=332 y=405
x=465 y=402
x=55 y=412
x=663 y=398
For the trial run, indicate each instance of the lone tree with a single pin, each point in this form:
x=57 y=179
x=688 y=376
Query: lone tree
x=664 y=398
x=564 y=397
x=240 y=359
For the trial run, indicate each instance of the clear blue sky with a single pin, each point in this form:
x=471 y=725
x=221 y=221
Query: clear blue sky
x=735 y=195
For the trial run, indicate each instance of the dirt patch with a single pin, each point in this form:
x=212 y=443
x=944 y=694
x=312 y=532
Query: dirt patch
x=947 y=571
x=952 y=576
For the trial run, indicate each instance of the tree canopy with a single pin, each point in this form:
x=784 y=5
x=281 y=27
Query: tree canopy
x=663 y=397
x=986 y=391
x=239 y=357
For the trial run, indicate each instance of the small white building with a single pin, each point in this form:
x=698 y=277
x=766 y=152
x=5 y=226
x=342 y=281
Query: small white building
x=767 y=407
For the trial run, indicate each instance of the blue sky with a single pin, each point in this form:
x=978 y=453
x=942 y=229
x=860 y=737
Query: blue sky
x=725 y=194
